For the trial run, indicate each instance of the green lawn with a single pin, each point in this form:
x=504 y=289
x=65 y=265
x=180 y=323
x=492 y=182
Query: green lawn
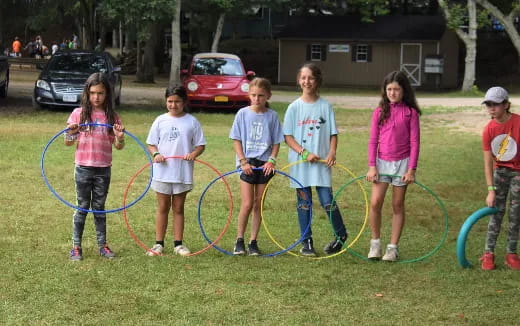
x=40 y=286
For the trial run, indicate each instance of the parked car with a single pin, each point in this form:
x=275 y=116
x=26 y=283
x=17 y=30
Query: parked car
x=216 y=80
x=61 y=81
x=4 y=76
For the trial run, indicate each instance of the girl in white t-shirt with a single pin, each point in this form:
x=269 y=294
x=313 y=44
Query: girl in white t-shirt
x=175 y=133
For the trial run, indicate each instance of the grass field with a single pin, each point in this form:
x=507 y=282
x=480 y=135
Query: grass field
x=40 y=286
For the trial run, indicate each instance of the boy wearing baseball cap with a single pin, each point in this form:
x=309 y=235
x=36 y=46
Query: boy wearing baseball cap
x=500 y=142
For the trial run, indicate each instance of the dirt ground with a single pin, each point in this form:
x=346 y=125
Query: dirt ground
x=22 y=83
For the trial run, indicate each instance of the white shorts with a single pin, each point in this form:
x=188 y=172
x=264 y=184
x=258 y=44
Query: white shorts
x=169 y=188
x=398 y=168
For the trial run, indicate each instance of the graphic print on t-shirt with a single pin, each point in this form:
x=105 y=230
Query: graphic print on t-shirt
x=256 y=141
x=174 y=134
x=312 y=125
x=504 y=147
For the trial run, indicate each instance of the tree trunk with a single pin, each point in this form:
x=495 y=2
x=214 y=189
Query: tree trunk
x=218 y=32
x=115 y=38
x=175 y=67
x=508 y=23
x=149 y=54
x=470 y=41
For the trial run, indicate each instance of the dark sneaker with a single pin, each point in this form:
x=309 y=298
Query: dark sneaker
x=76 y=254
x=106 y=252
x=240 y=247
x=253 y=249
x=334 y=246
x=307 y=248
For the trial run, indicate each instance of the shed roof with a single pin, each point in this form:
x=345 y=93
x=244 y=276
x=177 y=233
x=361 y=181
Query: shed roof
x=384 y=28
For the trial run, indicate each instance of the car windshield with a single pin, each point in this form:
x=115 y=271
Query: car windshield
x=81 y=63
x=217 y=66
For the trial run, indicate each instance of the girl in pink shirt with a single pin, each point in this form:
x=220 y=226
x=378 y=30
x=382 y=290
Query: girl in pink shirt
x=93 y=158
x=393 y=149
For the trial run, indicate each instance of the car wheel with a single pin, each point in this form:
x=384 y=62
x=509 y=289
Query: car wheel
x=35 y=104
x=3 y=89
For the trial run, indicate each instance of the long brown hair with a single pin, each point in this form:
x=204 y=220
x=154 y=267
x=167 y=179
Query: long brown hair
x=95 y=79
x=408 y=94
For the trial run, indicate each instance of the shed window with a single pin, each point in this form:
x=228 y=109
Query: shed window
x=316 y=52
x=362 y=53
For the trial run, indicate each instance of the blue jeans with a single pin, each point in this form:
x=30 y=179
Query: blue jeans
x=91 y=190
x=304 y=212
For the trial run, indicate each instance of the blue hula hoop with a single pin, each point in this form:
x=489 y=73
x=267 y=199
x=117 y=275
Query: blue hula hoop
x=42 y=169
x=264 y=255
x=464 y=230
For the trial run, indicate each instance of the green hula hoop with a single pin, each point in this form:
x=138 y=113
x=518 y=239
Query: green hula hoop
x=428 y=254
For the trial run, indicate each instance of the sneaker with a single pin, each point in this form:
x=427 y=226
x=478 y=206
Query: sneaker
x=391 y=254
x=512 y=261
x=252 y=249
x=106 y=252
x=335 y=246
x=240 y=247
x=182 y=250
x=156 y=250
x=307 y=248
x=76 y=254
x=488 y=261
x=375 y=249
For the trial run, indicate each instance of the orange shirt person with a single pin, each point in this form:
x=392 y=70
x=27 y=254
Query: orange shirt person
x=17 y=47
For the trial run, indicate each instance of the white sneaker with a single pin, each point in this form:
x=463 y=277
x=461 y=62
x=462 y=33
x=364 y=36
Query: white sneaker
x=156 y=250
x=375 y=249
x=392 y=253
x=181 y=250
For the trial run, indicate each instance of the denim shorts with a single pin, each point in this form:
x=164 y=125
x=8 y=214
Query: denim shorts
x=170 y=188
x=398 y=168
x=258 y=176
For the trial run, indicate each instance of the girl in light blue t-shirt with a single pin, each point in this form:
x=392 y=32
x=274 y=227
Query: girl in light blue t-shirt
x=310 y=131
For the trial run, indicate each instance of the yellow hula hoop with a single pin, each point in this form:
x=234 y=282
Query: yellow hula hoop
x=264 y=224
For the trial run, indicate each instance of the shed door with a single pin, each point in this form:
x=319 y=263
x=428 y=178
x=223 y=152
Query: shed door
x=411 y=54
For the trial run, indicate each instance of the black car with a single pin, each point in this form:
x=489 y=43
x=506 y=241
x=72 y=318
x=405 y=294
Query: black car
x=4 y=76
x=61 y=81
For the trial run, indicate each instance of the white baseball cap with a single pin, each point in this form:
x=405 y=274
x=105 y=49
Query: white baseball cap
x=496 y=94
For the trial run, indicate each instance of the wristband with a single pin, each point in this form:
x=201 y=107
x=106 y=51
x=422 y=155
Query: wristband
x=155 y=154
x=272 y=160
x=492 y=188
x=305 y=154
x=70 y=137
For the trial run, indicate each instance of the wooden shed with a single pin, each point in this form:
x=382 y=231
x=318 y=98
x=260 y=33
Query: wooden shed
x=353 y=53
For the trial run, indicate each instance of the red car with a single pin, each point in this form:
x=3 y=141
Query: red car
x=217 y=80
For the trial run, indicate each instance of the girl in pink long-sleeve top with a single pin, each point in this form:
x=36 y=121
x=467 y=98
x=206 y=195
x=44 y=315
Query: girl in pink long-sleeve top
x=393 y=150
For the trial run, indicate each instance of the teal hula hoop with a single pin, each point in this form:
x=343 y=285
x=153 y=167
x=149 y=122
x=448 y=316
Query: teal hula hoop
x=464 y=230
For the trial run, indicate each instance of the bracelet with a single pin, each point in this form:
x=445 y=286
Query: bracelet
x=272 y=160
x=305 y=154
x=155 y=154
x=492 y=188
x=301 y=151
x=70 y=137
